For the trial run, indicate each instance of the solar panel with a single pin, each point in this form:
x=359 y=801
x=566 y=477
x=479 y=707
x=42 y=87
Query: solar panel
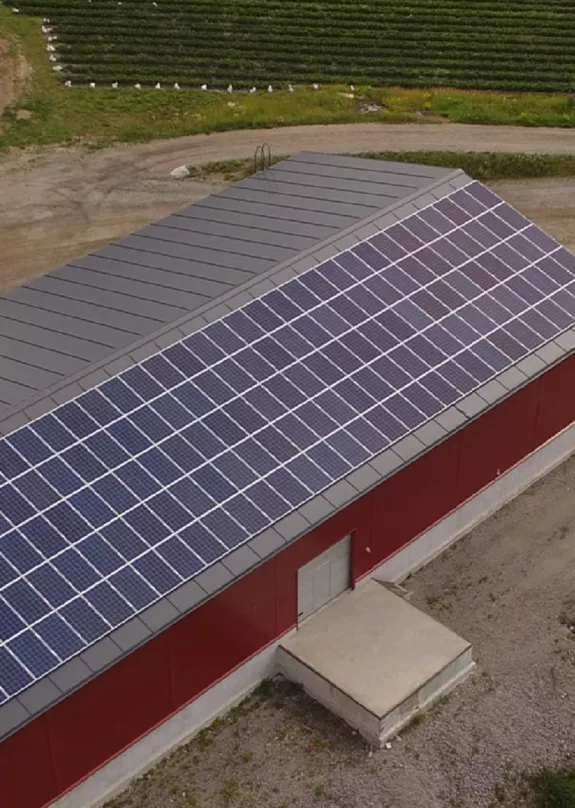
x=117 y=497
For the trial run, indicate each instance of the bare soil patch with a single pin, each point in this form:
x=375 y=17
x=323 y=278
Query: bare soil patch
x=550 y=203
x=13 y=73
x=505 y=587
x=6 y=78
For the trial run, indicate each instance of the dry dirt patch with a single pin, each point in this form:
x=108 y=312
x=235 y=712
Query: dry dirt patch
x=6 y=77
x=60 y=205
x=14 y=71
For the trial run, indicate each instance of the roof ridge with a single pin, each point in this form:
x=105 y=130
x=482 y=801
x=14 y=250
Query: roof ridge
x=71 y=386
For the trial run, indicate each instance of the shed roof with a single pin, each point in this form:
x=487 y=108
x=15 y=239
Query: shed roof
x=362 y=258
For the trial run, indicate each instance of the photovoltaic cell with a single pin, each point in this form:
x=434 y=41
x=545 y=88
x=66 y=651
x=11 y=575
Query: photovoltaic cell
x=115 y=498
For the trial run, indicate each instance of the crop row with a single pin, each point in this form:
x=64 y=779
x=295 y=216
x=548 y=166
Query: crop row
x=514 y=83
x=417 y=13
x=490 y=44
x=519 y=22
x=191 y=58
x=372 y=28
x=551 y=50
x=222 y=6
x=247 y=77
x=274 y=51
x=417 y=9
x=284 y=70
x=75 y=46
x=305 y=10
x=431 y=34
x=258 y=74
x=194 y=62
x=427 y=15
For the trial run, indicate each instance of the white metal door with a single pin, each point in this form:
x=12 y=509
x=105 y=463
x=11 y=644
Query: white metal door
x=324 y=578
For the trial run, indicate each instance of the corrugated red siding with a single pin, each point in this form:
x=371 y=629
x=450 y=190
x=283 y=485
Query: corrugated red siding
x=110 y=711
x=220 y=635
x=409 y=502
x=556 y=401
x=105 y=716
x=27 y=776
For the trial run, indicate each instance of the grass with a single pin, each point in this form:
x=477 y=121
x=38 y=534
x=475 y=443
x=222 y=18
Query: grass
x=484 y=166
x=554 y=788
x=102 y=116
x=230 y=791
x=490 y=166
x=545 y=788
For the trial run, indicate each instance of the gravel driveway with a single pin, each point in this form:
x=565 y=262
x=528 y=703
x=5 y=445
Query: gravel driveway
x=509 y=588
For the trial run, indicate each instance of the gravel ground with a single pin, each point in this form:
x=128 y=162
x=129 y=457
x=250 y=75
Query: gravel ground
x=509 y=588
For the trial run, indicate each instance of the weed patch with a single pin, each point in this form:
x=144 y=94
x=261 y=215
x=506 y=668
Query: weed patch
x=489 y=166
x=483 y=166
x=553 y=788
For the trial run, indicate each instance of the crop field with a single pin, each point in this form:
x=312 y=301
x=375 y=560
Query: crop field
x=478 y=44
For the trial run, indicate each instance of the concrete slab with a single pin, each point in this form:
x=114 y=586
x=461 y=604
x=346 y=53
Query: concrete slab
x=375 y=660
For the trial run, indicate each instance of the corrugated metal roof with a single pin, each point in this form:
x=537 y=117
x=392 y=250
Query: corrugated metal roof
x=93 y=307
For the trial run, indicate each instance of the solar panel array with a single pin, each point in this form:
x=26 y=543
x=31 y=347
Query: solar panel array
x=119 y=496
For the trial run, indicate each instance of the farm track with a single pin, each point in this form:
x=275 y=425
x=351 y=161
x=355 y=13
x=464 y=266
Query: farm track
x=58 y=203
x=442 y=43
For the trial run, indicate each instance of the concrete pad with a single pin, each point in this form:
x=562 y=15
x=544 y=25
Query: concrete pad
x=374 y=660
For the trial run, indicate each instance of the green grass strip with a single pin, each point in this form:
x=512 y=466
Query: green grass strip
x=484 y=166
x=489 y=166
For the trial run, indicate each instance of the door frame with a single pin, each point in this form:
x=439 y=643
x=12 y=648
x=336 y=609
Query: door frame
x=351 y=581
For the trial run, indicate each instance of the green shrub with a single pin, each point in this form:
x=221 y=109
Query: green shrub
x=487 y=166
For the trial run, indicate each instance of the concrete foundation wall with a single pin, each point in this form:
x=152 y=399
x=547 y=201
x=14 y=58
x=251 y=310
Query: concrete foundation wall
x=327 y=694
x=441 y=684
x=431 y=543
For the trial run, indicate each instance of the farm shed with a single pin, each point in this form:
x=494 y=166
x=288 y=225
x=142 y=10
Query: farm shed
x=337 y=361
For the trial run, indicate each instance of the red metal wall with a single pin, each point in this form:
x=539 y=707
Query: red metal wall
x=77 y=736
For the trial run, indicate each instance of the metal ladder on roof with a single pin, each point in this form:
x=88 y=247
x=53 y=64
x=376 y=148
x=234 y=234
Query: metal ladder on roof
x=262 y=157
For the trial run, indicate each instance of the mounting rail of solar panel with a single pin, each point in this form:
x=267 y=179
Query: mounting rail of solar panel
x=119 y=496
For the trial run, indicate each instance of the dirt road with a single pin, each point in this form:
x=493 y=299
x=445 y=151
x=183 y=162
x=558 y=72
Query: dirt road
x=59 y=203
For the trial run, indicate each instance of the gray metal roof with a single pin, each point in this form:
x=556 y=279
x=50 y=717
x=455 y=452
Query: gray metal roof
x=137 y=630
x=79 y=317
